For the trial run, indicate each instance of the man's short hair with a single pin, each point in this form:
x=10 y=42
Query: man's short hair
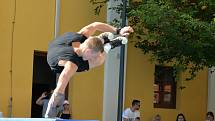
x=135 y=102
x=95 y=43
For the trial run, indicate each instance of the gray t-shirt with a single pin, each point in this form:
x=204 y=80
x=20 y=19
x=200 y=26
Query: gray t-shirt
x=45 y=105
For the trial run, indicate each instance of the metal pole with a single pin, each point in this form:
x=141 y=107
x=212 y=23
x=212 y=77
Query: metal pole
x=57 y=17
x=121 y=71
x=211 y=83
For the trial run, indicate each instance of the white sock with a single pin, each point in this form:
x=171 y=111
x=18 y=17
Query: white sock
x=124 y=40
x=110 y=36
x=107 y=47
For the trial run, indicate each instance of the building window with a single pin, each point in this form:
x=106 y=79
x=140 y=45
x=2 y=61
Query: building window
x=164 y=87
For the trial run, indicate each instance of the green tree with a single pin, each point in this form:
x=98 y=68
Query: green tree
x=177 y=32
x=180 y=32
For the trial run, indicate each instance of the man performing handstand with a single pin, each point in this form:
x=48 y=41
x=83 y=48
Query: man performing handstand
x=78 y=52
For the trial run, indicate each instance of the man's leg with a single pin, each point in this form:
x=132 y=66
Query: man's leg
x=57 y=97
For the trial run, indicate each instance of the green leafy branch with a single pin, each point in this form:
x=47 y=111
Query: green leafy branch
x=171 y=36
x=177 y=32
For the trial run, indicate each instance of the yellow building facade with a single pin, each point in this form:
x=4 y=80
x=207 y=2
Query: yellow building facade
x=28 y=25
x=25 y=26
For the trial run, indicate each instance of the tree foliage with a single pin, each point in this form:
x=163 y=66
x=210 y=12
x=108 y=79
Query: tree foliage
x=177 y=32
x=98 y=5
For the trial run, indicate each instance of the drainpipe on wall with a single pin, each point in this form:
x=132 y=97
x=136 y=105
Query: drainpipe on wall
x=10 y=106
x=57 y=26
x=57 y=18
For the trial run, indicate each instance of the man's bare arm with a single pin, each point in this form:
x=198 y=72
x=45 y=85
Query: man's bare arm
x=40 y=99
x=93 y=27
x=103 y=27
